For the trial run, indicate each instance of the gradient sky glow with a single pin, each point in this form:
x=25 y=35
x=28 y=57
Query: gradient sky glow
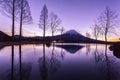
x=75 y=14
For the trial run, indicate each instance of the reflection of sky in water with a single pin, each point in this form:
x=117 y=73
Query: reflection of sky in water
x=90 y=61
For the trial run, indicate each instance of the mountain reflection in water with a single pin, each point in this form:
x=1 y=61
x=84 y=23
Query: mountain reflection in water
x=55 y=62
x=71 y=48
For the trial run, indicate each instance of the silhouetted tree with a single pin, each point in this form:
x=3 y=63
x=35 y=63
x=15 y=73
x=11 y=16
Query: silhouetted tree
x=54 y=22
x=25 y=14
x=88 y=35
x=43 y=23
x=96 y=31
x=10 y=9
x=107 y=20
x=62 y=30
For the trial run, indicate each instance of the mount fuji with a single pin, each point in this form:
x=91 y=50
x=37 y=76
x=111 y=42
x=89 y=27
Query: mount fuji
x=74 y=36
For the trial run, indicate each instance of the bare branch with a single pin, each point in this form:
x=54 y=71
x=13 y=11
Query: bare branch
x=43 y=22
x=107 y=21
x=11 y=10
x=24 y=14
x=96 y=31
x=54 y=22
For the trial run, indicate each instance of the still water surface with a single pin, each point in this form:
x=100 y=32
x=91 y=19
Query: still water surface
x=59 y=62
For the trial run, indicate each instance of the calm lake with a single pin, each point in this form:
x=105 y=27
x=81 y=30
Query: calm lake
x=59 y=61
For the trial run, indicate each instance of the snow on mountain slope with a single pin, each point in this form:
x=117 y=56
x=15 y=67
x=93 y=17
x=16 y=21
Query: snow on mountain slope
x=71 y=32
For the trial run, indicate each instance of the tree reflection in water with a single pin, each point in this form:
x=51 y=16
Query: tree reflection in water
x=107 y=65
x=9 y=74
x=54 y=62
x=12 y=63
x=98 y=55
x=47 y=65
x=62 y=53
x=20 y=71
x=24 y=68
x=43 y=65
x=88 y=48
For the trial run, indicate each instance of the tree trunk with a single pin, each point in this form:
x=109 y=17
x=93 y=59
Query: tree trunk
x=44 y=33
x=96 y=38
x=106 y=37
x=13 y=18
x=44 y=28
x=21 y=19
x=20 y=29
x=52 y=35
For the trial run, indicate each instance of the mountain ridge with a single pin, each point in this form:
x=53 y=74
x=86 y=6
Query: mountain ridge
x=74 y=36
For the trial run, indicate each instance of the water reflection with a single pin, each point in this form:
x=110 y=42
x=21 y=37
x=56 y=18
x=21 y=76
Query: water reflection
x=43 y=65
x=20 y=71
x=48 y=65
x=54 y=62
x=9 y=74
x=20 y=62
x=12 y=63
x=57 y=62
x=98 y=55
x=71 y=48
x=88 y=49
x=106 y=66
x=24 y=68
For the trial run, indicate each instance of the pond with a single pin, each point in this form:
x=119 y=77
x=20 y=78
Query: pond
x=59 y=61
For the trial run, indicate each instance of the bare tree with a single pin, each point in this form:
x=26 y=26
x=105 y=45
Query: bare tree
x=62 y=30
x=10 y=9
x=54 y=22
x=96 y=31
x=88 y=35
x=43 y=23
x=107 y=20
x=25 y=14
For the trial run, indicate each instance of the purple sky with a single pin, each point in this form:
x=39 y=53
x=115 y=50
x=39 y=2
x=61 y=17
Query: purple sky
x=75 y=14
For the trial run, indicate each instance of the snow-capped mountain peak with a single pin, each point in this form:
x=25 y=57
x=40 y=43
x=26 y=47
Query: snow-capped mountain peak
x=71 y=32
